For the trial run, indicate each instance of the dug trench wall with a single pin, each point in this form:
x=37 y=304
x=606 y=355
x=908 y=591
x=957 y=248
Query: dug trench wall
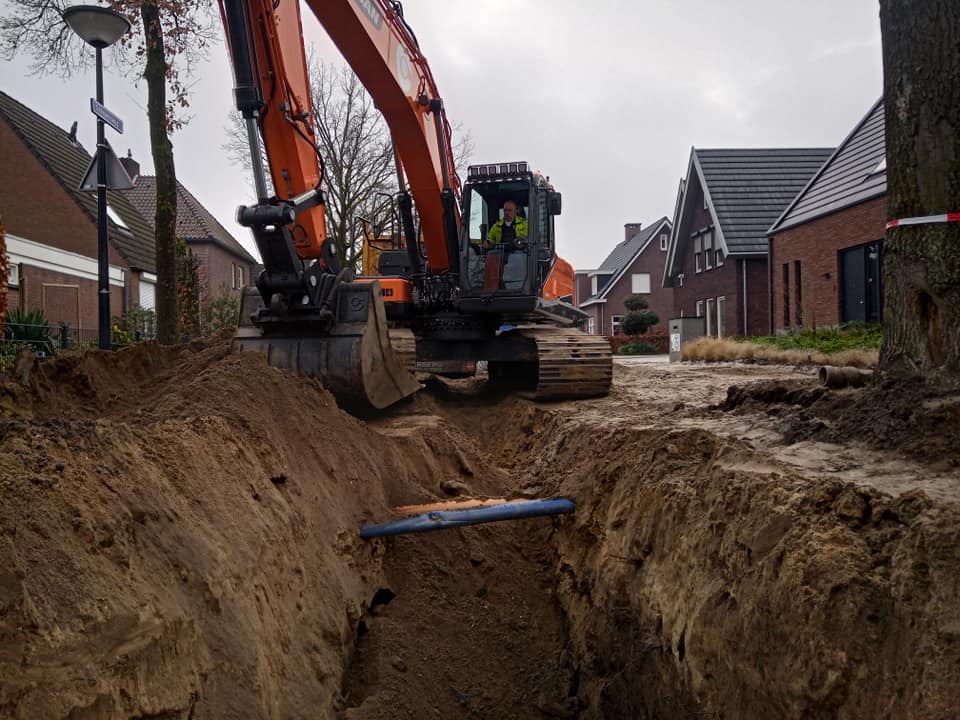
x=701 y=579
x=179 y=536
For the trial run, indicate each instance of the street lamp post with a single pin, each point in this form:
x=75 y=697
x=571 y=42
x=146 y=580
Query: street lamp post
x=101 y=28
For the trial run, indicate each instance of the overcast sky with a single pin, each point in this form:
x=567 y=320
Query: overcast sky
x=606 y=98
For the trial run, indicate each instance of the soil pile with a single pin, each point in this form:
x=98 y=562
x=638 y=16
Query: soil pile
x=911 y=418
x=179 y=535
x=179 y=538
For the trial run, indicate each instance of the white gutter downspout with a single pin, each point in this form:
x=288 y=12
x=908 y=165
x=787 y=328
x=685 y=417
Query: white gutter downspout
x=743 y=266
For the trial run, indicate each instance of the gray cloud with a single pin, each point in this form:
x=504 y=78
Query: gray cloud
x=607 y=98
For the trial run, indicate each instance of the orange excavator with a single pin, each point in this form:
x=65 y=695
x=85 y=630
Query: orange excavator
x=442 y=287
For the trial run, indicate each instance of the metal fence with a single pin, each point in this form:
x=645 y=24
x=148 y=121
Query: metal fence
x=47 y=340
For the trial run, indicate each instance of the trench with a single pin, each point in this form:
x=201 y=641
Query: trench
x=196 y=554
x=698 y=578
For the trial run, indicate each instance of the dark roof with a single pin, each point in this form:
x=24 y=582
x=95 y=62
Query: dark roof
x=67 y=161
x=623 y=255
x=851 y=176
x=194 y=221
x=748 y=189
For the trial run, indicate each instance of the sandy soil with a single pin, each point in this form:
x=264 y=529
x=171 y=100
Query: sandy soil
x=179 y=539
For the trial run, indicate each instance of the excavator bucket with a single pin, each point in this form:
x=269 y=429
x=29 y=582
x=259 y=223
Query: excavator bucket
x=352 y=357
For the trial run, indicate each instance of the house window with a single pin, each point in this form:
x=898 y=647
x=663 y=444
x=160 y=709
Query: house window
x=640 y=284
x=719 y=257
x=699 y=308
x=591 y=326
x=710 y=318
x=237 y=277
x=664 y=239
x=697 y=251
x=786 y=295
x=799 y=291
x=721 y=316
x=708 y=249
x=615 y=324
x=593 y=285
x=13 y=278
x=705 y=200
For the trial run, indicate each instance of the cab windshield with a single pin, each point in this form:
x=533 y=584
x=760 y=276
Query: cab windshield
x=497 y=236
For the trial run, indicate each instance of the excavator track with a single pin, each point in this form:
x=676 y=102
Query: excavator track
x=404 y=345
x=570 y=364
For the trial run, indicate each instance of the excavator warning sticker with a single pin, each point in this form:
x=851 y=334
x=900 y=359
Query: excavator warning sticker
x=404 y=69
x=372 y=12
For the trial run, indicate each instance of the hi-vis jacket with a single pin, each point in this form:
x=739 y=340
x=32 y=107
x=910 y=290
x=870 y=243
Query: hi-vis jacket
x=496 y=232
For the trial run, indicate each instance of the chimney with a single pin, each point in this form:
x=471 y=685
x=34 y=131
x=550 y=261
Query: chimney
x=131 y=166
x=629 y=230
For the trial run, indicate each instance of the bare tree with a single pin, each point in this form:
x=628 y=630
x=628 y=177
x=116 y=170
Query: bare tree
x=357 y=153
x=921 y=59
x=168 y=37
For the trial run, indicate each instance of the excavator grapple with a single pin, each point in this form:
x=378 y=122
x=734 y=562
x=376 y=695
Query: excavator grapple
x=350 y=353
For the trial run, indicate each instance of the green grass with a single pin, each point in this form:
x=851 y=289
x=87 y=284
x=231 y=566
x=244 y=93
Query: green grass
x=831 y=340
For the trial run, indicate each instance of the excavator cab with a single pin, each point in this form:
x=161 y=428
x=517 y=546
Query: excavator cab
x=503 y=268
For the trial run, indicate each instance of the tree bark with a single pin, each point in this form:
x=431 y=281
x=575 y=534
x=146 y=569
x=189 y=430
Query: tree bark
x=4 y=276
x=921 y=58
x=155 y=73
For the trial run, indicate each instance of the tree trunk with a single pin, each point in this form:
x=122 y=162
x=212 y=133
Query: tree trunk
x=155 y=74
x=4 y=277
x=921 y=59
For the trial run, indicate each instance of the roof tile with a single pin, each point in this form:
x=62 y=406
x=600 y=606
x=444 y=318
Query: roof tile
x=67 y=161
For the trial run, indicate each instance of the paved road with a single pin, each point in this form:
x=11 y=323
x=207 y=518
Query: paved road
x=640 y=359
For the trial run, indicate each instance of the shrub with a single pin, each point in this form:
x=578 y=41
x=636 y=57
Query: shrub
x=222 y=311
x=28 y=327
x=658 y=338
x=637 y=348
x=140 y=323
x=639 y=317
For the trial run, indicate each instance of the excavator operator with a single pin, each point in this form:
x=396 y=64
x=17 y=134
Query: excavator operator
x=505 y=247
x=507 y=229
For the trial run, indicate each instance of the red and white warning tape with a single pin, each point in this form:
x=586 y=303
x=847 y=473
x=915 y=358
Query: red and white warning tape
x=926 y=220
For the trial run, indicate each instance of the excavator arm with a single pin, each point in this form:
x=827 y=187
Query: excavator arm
x=306 y=314
x=272 y=91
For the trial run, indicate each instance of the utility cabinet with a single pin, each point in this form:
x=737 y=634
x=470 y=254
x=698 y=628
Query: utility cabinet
x=684 y=330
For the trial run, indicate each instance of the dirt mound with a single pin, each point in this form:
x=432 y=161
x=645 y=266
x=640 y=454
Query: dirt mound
x=179 y=534
x=179 y=539
x=911 y=418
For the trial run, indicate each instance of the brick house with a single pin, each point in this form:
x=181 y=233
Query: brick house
x=224 y=265
x=634 y=267
x=52 y=226
x=826 y=248
x=717 y=257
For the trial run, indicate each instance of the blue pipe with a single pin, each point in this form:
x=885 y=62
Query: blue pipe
x=445 y=519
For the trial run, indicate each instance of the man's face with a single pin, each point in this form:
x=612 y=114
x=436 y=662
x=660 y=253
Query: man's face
x=509 y=211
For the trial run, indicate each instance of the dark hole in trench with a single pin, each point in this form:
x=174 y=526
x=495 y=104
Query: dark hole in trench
x=381 y=597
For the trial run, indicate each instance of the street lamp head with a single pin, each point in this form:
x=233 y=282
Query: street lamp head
x=97 y=26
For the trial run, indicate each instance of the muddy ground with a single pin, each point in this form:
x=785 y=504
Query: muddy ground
x=179 y=539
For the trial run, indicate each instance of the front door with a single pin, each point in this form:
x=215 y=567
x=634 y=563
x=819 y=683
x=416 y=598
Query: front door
x=861 y=283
